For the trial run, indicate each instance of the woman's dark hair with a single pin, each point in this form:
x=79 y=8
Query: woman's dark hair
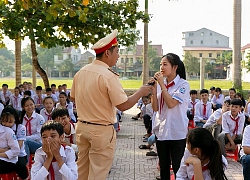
x=218 y=89
x=12 y=111
x=174 y=60
x=18 y=90
x=232 y=89
x=24 y=100
x=67 y=99
x=193 y=92
x=210 y=148
x=60 y=112
x=48 y=97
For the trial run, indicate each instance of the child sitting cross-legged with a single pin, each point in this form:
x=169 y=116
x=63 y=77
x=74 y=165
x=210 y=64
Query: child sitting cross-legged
x=53 y=159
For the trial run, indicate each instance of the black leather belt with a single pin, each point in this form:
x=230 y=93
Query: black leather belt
x=86 y=122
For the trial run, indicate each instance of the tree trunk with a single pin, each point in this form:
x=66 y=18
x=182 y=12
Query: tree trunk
x=237 y=44
x=36 y=64
x=18 y=61
x=145 y=77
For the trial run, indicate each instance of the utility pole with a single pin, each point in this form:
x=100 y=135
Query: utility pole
x=202 y=73
x=145 y=71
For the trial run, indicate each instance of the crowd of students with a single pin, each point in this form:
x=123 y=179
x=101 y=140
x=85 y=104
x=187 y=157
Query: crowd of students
x=221 y=124
x=42 y=124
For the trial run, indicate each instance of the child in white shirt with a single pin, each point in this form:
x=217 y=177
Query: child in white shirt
x=46 y=112
x=9 y=148
x=232 y=127
x=53 y=159
x=202 y=158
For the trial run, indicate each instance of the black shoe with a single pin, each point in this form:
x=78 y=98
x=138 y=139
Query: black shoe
x=134 y=118
x=151 y=153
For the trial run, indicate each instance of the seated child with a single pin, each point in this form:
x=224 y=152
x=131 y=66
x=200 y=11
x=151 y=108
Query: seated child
x=20 y=132
x=231 y=94
x=202 y=159
x=53 y=159
x=9 y=148
x=191 y=104
x=147 y=114
x=232 y=127
x=61 y=115
x=46 y=112
x=38 y=99
x=203 y=109
x=217 y=99
x=214 y=122
x=245 y=153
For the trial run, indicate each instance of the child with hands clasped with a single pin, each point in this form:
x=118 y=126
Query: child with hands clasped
x=202 y=159
x=53 y=159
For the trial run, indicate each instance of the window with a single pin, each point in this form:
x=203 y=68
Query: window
x=202 y=33
x=211 y=34
x=191 y=34
x=217 y=41
x=210 y=55
x=218 y=55
x=191 y=42
x=200 y=54
x=122 y=60
x=201 y=42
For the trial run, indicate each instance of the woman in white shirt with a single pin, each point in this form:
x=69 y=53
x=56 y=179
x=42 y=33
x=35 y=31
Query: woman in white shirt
x=170 y=101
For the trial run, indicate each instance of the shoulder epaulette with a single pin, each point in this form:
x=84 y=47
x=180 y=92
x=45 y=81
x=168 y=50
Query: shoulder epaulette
x=113 y=71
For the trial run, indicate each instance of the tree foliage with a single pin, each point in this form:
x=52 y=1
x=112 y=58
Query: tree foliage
x=154 y=59
x=192 y=64
x=67 y=22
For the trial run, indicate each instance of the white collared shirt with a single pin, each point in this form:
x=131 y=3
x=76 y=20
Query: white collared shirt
x=228 y=125
x=8 y=140
x=46 y=115
x=186 y=172
x=70 y=108
x=68 y=171
x=199 y=107
x=15 y=101
x=219 y=100
x=213 y=118
x=20 y=132
x=191 y=104
x=36 y=124
x=73 y=135
x=245 y=140
x=171 y=124
x=1 y=108
x=36 y=100
x=7 y=95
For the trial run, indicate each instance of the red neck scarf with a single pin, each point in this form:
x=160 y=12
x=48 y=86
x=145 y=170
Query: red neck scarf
x=15 y=102
x=204 y=110
x=48 y=116
x=71 y=135
x=193 y=103
x=236 y=124
x=51 y=169
x=28 y=125
x=162 y=100
x=204 y=168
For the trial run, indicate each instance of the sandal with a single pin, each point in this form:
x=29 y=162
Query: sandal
x=151 y=153
x=145 y=140
x=143 y=146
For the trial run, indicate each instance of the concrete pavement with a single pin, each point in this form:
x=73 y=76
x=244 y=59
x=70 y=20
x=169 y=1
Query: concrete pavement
x=131 y=163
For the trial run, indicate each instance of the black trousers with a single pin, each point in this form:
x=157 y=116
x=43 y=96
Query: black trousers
x=6 y=167
x=21 y=168
x=170 y=151
x=148 y=123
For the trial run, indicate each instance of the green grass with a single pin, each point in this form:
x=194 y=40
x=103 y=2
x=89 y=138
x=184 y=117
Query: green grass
x=131 y=84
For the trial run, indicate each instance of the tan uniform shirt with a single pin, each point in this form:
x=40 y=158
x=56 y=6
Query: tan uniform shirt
x=97 y=91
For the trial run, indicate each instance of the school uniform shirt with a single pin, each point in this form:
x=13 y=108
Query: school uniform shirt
x=39 y=100
x=33 y=93
x=15 y=101
x=1 y=108
x=199 y=111
x=187 y=172
x=33 y=131
x=8 y=140
x=171 y=124
x=227 y=98
x=71 y=138
x=229 y=126
x=20 y=132
x=213 y=118
x=147 y=109
x=248 y=109
x=245 y=139
x=191 y=105
x=68 y=171
x=5 y=96
x=70 y=108
x=57 y=95
x=219 y=100
x=45 y=114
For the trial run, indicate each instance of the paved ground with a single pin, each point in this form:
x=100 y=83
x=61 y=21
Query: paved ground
x=131 y=163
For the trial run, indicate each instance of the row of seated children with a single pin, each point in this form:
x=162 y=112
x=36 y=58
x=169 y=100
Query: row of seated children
x=32 y=123
x=15 y=101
